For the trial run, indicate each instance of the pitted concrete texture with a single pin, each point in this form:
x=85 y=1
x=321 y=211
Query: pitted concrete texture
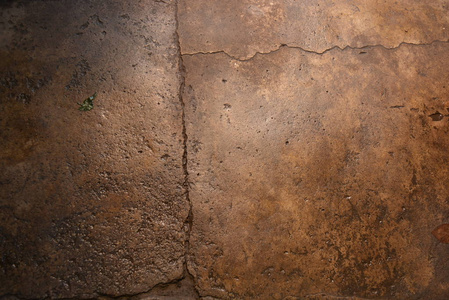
x=242 y=28
x=92 y=202
x=236 y=149
x=319 y=174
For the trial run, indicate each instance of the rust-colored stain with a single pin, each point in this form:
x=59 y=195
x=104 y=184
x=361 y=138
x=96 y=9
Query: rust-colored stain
x=442 y=233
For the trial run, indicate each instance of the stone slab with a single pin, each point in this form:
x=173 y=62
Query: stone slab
x=319 y=175
x=243 y=27
x=92 y=202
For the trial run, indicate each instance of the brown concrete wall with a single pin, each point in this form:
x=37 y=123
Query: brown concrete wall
x=304 y=183
x=236 y=149
x=92 y=202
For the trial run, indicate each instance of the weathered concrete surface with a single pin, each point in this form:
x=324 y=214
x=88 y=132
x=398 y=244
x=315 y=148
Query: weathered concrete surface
x=180 y=290
x=91 y=202
x=312 y=176
x=244 y=27
x=315 y=175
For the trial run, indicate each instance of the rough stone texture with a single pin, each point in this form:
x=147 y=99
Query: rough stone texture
x=318 y=175
x=243 y=27
x=312 y=172
x=180 y=290
x=91 y=202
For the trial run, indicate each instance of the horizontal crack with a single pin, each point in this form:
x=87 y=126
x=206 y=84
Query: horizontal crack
x=329 y=296
x=314 y=52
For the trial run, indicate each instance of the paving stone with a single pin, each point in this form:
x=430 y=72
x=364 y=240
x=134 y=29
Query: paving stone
x=314 y=172
x=243 y=27
x=315 y=176
x=92 y=202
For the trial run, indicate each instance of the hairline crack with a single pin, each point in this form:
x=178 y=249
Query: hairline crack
x=333 y=48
